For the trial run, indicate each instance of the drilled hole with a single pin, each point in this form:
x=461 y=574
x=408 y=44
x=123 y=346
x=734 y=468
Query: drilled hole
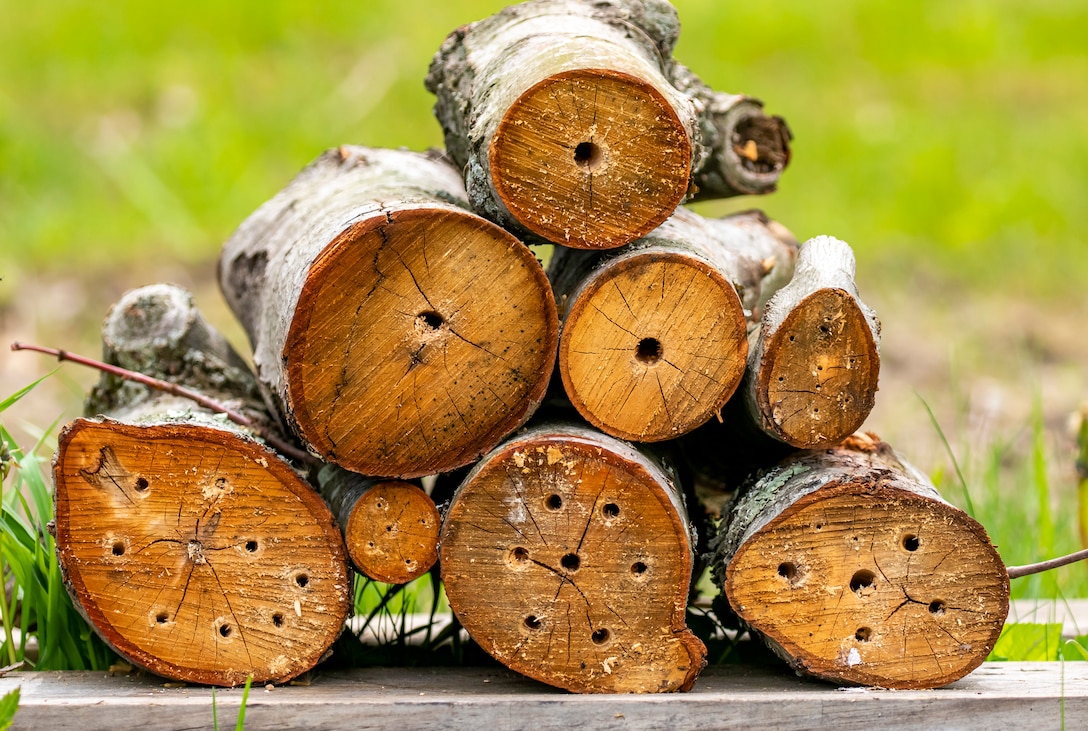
x=554 y=502
x=788 y=571
x=648 y=351
x=862 y=580
x=936 y=607
x=142 y=484
x=911 y=542
x=277 y=619
x=638 y=568
x=224 y=630
x=862 y=635
x=600 y=636
x=388 y=529
x=162 y=617
x=611 y=510
x=429 y=320
x=588 y=155
x=302 y=580
x=520 y=555
x=570 y=562
x=118 y=548
x=533 y=622
x=251 y=546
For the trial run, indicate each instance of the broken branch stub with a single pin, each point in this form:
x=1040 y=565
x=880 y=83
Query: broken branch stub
x=573 y=122
x=654 y=335
x=853 y=569
x=814 y=359
x=191 y=547
x=567 y=556
x=376 y=331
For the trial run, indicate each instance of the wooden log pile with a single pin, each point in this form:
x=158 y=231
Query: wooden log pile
x=402 y=328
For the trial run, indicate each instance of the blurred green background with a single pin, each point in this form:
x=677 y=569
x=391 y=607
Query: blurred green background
x=946 y=141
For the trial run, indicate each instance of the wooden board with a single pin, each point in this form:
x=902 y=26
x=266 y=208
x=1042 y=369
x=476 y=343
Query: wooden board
x=997 y=695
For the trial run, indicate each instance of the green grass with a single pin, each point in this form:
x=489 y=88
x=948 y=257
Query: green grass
x=941 y=138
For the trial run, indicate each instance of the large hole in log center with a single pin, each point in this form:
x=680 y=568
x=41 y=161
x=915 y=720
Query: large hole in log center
x=429 y=321
x=862 y=581
x=588 y=155
x=648 y=351
x=533 y=622
x=118 y=548
x=554 y=502
x=570 y=562
x=788 y=571
x=911 y=542
x=600 y=636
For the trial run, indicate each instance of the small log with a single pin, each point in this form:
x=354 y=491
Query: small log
x=853 y=569
x=572 y=121
x=654 y=335
x=814 y=361
x=390 y=527
x=191 y=547
x=399 y=334
x=567 y=556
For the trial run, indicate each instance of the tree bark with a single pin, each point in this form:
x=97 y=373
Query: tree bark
x=654 y=336
x=572 y=121
x=374 y=331
x=567 y=556
x=390 y=527
x=192 y=548
x=814 y=360
x=853 y=569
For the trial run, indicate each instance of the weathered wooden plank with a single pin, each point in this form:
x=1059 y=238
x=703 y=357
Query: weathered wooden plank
x=997 y=695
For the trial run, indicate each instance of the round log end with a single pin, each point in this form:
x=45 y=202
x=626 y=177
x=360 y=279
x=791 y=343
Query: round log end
x=874 y=587
x=818 y=380
x=653 y=346
x=566 y=560
x=198 y=555
x=403 y=358
x=392 y=533
x=591 y=159
x=757 y=149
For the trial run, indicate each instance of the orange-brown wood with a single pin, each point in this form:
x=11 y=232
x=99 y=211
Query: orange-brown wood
x=653 y=345
x=421 y=337
x=855 y=571
x=392 y=532
x=198 y=553
x=591 y=158
x=566 y=555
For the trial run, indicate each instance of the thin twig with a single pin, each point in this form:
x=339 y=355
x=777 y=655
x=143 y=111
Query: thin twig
x=1015 y=572
x=174 y=390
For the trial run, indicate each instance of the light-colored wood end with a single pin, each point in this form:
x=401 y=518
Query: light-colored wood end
x=421 y=338
x=569 y=564
x=818 y=380
x=197 y=554
x=873 y=586
x=392 y=534
x=591 y=158
x=653 y=346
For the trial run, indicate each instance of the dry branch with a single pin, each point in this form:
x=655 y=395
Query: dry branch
x=398 y=334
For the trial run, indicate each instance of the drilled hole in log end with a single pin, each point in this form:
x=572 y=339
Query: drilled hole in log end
x=936 y=607
x=570 y=562
x=911 y=542
x=863 y=634
x=611 y=510
x=554 y=502
x=429 y=321
x=588 y=155
x=601 y=636
x=648 y=351
x=861 y=581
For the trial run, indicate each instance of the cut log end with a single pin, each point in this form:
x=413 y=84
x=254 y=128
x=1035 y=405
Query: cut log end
x=758 y=150
x=392 y=533
x=586 y=564
x=905 y=592
x=591 y=159
x=202 y=558
x=401 y=366
x=653 y=347
x=819 y=377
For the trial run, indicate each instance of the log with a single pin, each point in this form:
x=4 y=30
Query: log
x=567 y=556
x=814 y=361
x=573 y=123
x=192 y=548
x=375 y=330
x=390 y=527
x=654 y=334
x=853 y=569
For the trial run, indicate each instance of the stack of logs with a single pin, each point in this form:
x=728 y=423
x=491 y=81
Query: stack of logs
x=402 y=328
